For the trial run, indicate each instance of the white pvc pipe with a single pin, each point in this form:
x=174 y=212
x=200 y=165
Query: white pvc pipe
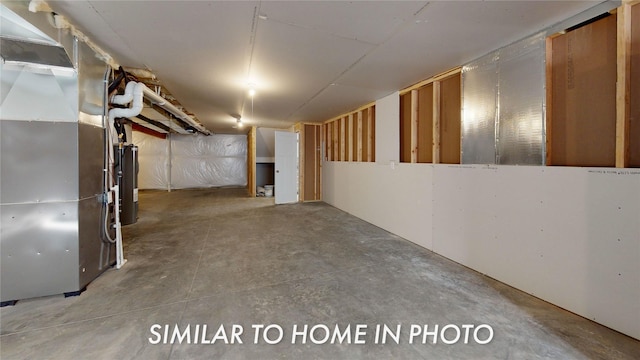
x=136 y=94
x=163 y=103
x=133 y=92
x=120 y=260
x=127 y=96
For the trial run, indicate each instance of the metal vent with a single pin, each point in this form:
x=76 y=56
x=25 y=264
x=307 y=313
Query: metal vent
x=18 y=51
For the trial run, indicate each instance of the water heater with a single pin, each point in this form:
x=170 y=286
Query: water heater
x=126 y=170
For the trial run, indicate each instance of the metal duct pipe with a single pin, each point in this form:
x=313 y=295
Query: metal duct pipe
x=163 y=103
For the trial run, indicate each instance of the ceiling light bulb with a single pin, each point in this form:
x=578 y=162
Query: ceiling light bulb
x=252 y=92
x=239 y=123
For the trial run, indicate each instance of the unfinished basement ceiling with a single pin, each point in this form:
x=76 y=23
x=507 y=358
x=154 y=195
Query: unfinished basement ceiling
x=309 y=60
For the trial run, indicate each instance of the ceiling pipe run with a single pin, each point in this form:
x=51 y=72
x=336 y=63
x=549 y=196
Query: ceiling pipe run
x=181 y=115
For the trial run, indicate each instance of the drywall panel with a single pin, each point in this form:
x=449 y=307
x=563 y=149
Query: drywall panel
x=567 y=235
x=387 y=143
x=582 y=124
x=570 y=236
x=463 y=209
x=265 y=144
x=592 y=244
x=394 y=198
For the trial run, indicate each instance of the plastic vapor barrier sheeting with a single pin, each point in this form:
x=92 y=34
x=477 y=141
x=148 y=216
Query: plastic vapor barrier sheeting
x=153 y=158
x=194 y=161
x=503 y=102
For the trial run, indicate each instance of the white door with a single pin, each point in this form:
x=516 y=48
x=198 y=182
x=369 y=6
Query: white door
x=286 y=176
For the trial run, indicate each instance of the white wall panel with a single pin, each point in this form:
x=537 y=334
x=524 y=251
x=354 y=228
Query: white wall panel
x=592 y=244
x=570 y=236
x=385 y=197
x=388 y=129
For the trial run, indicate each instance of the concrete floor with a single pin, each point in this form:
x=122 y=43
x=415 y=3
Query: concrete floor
x=215 y=256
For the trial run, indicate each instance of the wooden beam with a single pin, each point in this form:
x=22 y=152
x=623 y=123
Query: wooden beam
x=351 y=112
x=350 y=139
x=370 y=134
x=343 y=135
x=436 y=122
x=329 y=141
x=301 y=163
x=359 y=151
x=623 y=85
x=336 y=140
x=414 y=126
x=549 y=100
x=318 y=174
x=432 y=79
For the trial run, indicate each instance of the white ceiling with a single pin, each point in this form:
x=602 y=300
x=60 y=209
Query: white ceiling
x=309 y=60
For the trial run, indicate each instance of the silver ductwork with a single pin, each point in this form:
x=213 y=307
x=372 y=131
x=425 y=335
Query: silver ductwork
x=51 y=159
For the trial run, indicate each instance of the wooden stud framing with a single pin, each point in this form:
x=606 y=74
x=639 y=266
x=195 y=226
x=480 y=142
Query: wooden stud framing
x=414 y=126
x=302 y=178
x=329 y=141
x=450 y=121
x=350 y=139
x=347 y=137
x=365 y=134
x=363 y=107
x=425 y=124
x=623 y=85
x=634 y=95
x=354 y=137
x=370 y=136
x=436 y=122
x=312 y=160
x=549 y=97
x=359 y=143
x=343 y=130
x=319 y=166
x=405 y=128
x=336 y=140
x=432 y=79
